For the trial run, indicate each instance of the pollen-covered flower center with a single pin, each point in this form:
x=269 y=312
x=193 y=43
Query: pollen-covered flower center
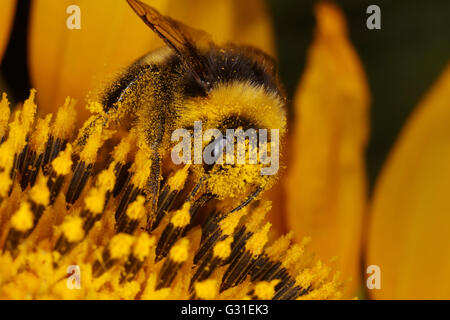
x=67 y=201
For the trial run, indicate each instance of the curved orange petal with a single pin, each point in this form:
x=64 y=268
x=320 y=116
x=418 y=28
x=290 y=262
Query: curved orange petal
x=326 y=182
x=215 y=17
x=410 y=215
x=74 y=62
x=6 y=18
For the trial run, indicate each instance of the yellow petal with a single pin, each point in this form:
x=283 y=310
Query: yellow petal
x=409 y=230
x=111 y=37
x=243 y=22
x=6 y=19
x=73 y=62
x=326 y=183
x=253 y=25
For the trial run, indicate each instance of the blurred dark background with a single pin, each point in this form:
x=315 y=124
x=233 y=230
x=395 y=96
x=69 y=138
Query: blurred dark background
x=401 y=60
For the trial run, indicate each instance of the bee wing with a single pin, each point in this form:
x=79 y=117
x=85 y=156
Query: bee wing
x=181 y=38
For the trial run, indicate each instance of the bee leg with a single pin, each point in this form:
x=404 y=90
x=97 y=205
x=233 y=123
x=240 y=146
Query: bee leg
x=86 y=132
x=153 y=183
x=248 y=200
x=154 y=141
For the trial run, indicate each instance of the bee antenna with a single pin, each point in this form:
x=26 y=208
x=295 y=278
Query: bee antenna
x=197 y=186
x=248 y=200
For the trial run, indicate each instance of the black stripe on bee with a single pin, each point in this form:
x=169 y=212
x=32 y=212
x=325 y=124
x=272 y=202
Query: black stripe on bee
x=116 y=89
x=230 y=65
x=225 y=65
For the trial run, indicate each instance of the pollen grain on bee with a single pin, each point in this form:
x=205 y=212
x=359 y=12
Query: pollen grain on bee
x=227 y=146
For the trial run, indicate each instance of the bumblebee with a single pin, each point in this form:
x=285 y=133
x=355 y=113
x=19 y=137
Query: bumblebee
x=194 y=79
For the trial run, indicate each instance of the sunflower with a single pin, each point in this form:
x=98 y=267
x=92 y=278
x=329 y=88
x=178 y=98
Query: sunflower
x=66 y=207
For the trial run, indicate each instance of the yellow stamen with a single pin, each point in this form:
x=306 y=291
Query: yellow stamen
x=5 y=183
x=280 y=245
x=40 y=193
x=7 y=153
x=176 y=182
x=22 y=220
x=121 y=151
x=182 y=217
x=95 y=200
x=292 y=255
x=329 y=290
x=95 y=108
x=64 y=124
x=258 y=215
x=41 y=134
x=265 y=290
x=143 y=245
x=228 y=225
x=72 y=228
x=222 y=249
x=17 y=135
x=29 y=111
x=106 y=179
x=257 y=241
x=207 y=289
x=180 y=251
x=313 y=276
x=96 y=139
x=62 y=164
x=141 y=168
x=120 y=245
x=136 y=210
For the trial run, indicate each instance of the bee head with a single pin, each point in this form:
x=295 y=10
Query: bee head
x=238 y=130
